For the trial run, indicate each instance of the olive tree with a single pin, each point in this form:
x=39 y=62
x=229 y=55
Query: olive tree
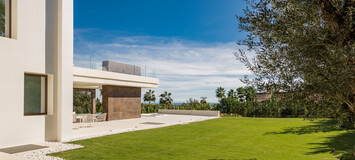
x=303 y=49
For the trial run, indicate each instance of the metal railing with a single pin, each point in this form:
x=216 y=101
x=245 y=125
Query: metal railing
x=144 y=71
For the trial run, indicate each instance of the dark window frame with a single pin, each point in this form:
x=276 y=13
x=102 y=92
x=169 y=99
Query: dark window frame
x=46 y=94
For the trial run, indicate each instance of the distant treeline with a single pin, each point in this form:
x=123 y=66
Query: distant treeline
x=243 y=102
x=153 y=108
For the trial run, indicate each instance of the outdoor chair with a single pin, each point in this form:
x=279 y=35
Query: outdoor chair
x=88 y=118
x=74 y=118
x=101 y=117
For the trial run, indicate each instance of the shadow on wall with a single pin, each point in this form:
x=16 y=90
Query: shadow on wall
x=344 y=144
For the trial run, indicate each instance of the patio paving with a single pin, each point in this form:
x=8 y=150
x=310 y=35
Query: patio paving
x=148 y=121
x=98 y=129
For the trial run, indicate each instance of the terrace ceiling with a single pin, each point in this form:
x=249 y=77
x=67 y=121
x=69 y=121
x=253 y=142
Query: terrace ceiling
x=95 y=79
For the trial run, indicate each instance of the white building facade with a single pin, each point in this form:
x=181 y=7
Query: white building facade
x=36 y=66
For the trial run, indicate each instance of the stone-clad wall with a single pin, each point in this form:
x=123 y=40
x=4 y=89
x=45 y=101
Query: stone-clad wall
x=121 y=102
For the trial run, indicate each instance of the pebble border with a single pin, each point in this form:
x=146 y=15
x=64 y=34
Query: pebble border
x=42 y=154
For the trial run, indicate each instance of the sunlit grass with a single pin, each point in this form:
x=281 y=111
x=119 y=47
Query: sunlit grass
x=225 y=138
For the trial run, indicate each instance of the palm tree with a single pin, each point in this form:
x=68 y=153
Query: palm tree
x=192 y=101
x=241 y=94
x=165 y=98
x=250 y=94
x=220 y=93
x=203 y=100
x=232 y=94
x=149 y=96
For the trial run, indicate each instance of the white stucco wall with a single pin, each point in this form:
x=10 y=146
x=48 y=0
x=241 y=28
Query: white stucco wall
x=59 y=58
x=24 y=53
x=42 y=43
x=65 y=65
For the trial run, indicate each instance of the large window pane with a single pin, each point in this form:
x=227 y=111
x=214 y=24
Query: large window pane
x=35 y=95
x=5 y=18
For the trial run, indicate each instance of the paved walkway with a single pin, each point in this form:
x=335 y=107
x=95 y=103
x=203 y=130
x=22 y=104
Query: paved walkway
x=148 y=121
x=98 y=129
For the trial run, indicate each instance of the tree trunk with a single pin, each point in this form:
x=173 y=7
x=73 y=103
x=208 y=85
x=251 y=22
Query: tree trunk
x=352 y=106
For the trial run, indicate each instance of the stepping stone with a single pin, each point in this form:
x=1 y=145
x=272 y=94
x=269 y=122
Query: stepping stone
x=23 y=148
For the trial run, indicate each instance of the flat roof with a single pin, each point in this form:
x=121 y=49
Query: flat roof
x=91 y=78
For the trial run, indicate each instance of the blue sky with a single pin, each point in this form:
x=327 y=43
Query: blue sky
x=187 y=44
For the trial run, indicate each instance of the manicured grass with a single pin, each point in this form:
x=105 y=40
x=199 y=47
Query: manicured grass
x=225 y=138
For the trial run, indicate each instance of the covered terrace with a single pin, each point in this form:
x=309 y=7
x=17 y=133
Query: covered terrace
x=121 y=92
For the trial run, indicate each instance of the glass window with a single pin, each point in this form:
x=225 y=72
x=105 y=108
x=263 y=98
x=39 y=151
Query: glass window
x=35 y=94
x=5 y=16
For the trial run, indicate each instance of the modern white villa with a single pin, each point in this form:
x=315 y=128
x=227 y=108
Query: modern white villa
x=38 y=76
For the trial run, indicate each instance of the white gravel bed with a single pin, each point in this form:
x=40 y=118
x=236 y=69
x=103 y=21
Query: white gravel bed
x=105 y=129
x=54 y=147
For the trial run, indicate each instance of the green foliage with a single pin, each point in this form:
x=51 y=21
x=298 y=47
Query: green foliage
x=232 y=94
x=245 y=104
x=220 y=93
x=98 y=106
x=149 y=108
x=195 y=106
x=82 y=102
x=149 y=96
x=203 y=100
x=165 y=98
x=231 y=105
x=304 y=49
x=240 y=94
x=270 y=108
x=153 y=108
x=192 y=101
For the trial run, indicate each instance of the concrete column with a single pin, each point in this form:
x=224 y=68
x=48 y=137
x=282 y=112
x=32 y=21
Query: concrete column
x=121 y=102
x=59 y=62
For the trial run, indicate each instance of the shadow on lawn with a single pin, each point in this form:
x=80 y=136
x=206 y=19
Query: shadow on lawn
x=316 y=127
x=343 y=143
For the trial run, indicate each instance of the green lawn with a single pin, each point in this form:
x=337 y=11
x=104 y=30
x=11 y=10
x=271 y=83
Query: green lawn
x=225 y=138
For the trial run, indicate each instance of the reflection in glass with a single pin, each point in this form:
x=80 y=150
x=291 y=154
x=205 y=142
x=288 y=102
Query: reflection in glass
x=35 y=94
x=4 y=18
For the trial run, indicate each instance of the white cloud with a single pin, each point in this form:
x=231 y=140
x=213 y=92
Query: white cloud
x=185 y=68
